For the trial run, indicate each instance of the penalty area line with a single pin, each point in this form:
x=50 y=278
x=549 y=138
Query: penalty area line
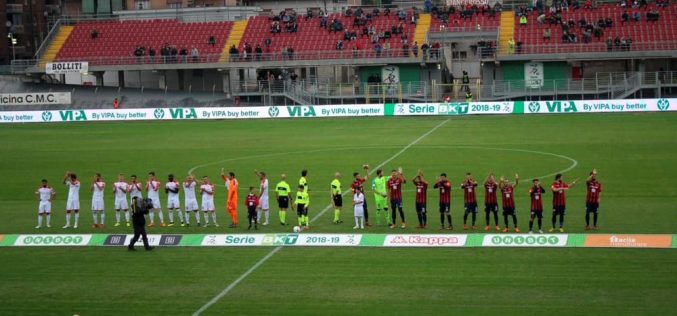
x=261 y=261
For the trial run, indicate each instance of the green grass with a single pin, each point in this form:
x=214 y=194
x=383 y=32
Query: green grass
x=636 y=155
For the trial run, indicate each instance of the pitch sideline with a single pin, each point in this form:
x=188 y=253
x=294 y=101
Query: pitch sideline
x=276 y=249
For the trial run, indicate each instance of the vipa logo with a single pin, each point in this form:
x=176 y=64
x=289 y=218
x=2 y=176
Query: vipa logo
x=159 y=113
x=46 y=116
x=273 y=111
x=534 y=107
x=663 y=104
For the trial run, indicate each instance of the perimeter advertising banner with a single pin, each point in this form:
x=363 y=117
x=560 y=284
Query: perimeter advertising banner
x=36 y=98
x=60 y=68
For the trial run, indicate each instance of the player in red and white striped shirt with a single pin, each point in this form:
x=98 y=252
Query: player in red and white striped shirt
x=394 y=187
x=470 y=202
x=421 y=198
x=490 y=201
x=559 y=188
x=592 y=199
x=536 y=193
x=508 y=197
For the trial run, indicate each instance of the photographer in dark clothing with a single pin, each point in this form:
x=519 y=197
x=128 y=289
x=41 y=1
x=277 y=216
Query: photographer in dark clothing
x=140 y=208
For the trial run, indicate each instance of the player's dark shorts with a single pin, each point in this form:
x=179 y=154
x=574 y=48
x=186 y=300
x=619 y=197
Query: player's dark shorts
x=491 y=208
x=471 y=208
x=300 y=209
x=251 y=211
x=445 y=208
x=537 y=213
x=338 y=200
x=395 y=203
x=591 y=207
x=420 y=207
x=508 y=211
x=283 y=202
x=559 y=209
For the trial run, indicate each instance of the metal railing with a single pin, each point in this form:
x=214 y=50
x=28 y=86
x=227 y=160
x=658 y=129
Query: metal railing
x=599 y=47
x=466 y=29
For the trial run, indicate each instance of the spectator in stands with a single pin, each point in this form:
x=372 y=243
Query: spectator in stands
x=582 y=22
x=377 y=49
x=468 y=95
x=248 y=51
x=309 y=14
x=381 y=35
x=386 y=12
x=541 y=18
x=346 y=35
x=435 y=50
x=212 y=40
x=259 y=51
x=511 y=46
x=386 y=49
x=523 y=20
x=587 y=5
x=622 y=4
x=375 y=12
x=608 y=22
x=636 y=16
x=139 y=52
x=184 y=55
x=625 y=17
x=374 y=38
x=652 y=15
x=323 y=22
x=661 y=3
x=465 y=81
x=575 y=4
x=617 y=43
x=597 y=31
x=94 y=34
x=339 y=45
x=116 y=103
x=414 y=49
x=546 y=34
x=413 y=19
x=401 y=15
x=609 y=44
x=195 y=54
x=268 y=42
x=234 y=53
x=290 y=52
x=355 y=51
x=587 y=37
x=349 y=12
x=405 y=48
x=425 y=48
x=564 y=5
x=151 y=54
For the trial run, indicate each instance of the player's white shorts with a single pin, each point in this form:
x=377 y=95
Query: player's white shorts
x=97 y=204
x=173 y=203
x=191 y=205
x=45 y=207
x=72 y=205
x=121 y=204
x=156 y=203
x=207 y=205
x=263 y=203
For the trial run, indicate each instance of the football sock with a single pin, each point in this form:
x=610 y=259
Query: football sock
x=117 y=216
x=442 y=219
x=283 y=217
x=362 y=222
x=187 y=217
x=449 y=219
x=401 y=214
x=465 y=218
x=151 y=214
x=77 y=218
x=266 y=215
x=420 y=218
x=554 y=220
x=385 y=214
x=68 y=219
x=505 y=220
x=39 y=220
x=214 y=217
x=357 y=221
x=306 y=219
x=127 y=216
x=103 y=217
x=336 y=214
x=178 y=213
x=49 y=218
x=197 y=217
x=300 y=220
x=394 y=216
x=540 y=223
x=206 y=218
x=170 y=212
x=587 y=219
x=366 y=211
x=486 y=217
x=474 y=218
x=514 y=220
x=595 y=219
x=561 y=220
x=531 y=224
x=159 y=214
x=95 y=219
x=496 y=218
x=424 y=216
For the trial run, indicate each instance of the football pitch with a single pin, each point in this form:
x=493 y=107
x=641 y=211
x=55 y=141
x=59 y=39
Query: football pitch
x=635 y=154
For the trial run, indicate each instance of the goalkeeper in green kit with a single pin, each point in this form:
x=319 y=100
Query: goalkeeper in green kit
x=381 y=196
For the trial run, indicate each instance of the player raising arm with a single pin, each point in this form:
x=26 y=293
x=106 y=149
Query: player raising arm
x=98 y=187
x=283 y=196
x=45 y=194
x=395 y=196
x=120 y=190
x=264 y=203
x=421 y=198
x=508 y=197
x=490 y=202
x=536 y=193
x=470 y=202
x=592 y=199
x=559 y=188
x=73 y=202
x=444 y=185
x=190 y=201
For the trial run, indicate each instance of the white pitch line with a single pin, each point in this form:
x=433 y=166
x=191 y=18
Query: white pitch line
x=276 y=249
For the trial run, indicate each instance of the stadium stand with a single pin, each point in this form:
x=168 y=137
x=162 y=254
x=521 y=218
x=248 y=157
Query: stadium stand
x=123 y=38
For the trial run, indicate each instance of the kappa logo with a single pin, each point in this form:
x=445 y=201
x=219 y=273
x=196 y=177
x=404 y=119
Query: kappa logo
x=273 y=111
x=159 y=113
x=46 y=116
x=534 y=107
x=663 y=104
